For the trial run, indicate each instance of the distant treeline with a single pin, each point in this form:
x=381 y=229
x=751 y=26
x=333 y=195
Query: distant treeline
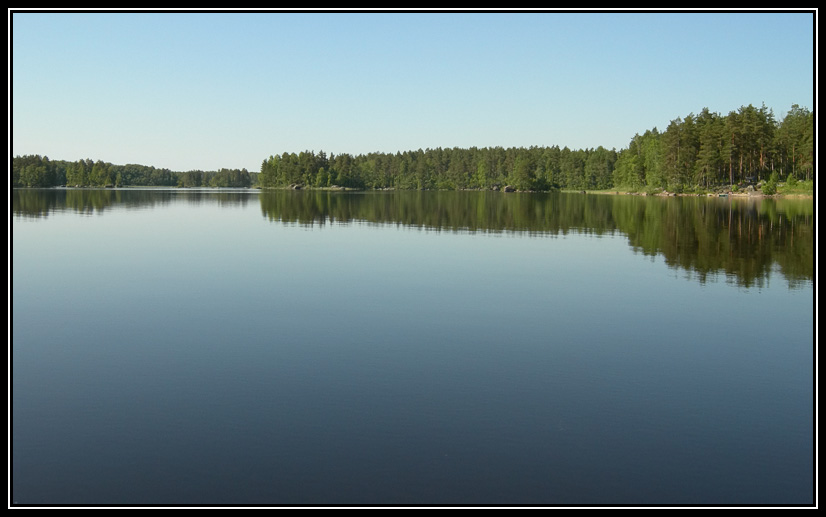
x=39 y=171
x=696 y=152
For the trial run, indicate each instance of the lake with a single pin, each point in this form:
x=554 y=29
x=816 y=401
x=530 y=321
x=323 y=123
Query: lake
x=227 y=347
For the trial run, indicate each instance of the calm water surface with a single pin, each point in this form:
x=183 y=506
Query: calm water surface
x=277 y=348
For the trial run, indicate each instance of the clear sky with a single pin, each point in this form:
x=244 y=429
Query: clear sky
x=210 y=90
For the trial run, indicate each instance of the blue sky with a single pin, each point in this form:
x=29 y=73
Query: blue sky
x=210 y=90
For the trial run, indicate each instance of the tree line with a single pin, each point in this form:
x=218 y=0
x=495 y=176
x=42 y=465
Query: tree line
x=40 y=171
x=708 y=149
x=695 y=152
x=534 y=168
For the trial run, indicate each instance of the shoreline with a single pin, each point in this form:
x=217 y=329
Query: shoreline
x=753 y=195
x=611 y=192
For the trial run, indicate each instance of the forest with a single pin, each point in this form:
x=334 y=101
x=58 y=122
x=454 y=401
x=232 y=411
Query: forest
x=693 y=153
x=37 y=171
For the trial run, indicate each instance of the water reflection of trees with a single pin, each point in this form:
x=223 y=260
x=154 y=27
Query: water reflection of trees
x=741 y=238
x=41 y=202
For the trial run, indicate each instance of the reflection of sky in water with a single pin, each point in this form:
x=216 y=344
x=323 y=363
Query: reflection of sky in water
x=159 y=355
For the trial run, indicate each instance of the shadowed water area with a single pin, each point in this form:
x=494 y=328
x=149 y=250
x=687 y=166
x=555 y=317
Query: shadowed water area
x=315 y=347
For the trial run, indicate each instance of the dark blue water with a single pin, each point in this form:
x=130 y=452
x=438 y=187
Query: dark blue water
x=204 y=350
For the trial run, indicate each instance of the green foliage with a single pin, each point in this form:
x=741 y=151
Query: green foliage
x=795 y=143
x=37 y=171
x=707 y=150
x=797 y=187
x=531 y=169
x=695 y=152
x=770 y=187
x=230 y=178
